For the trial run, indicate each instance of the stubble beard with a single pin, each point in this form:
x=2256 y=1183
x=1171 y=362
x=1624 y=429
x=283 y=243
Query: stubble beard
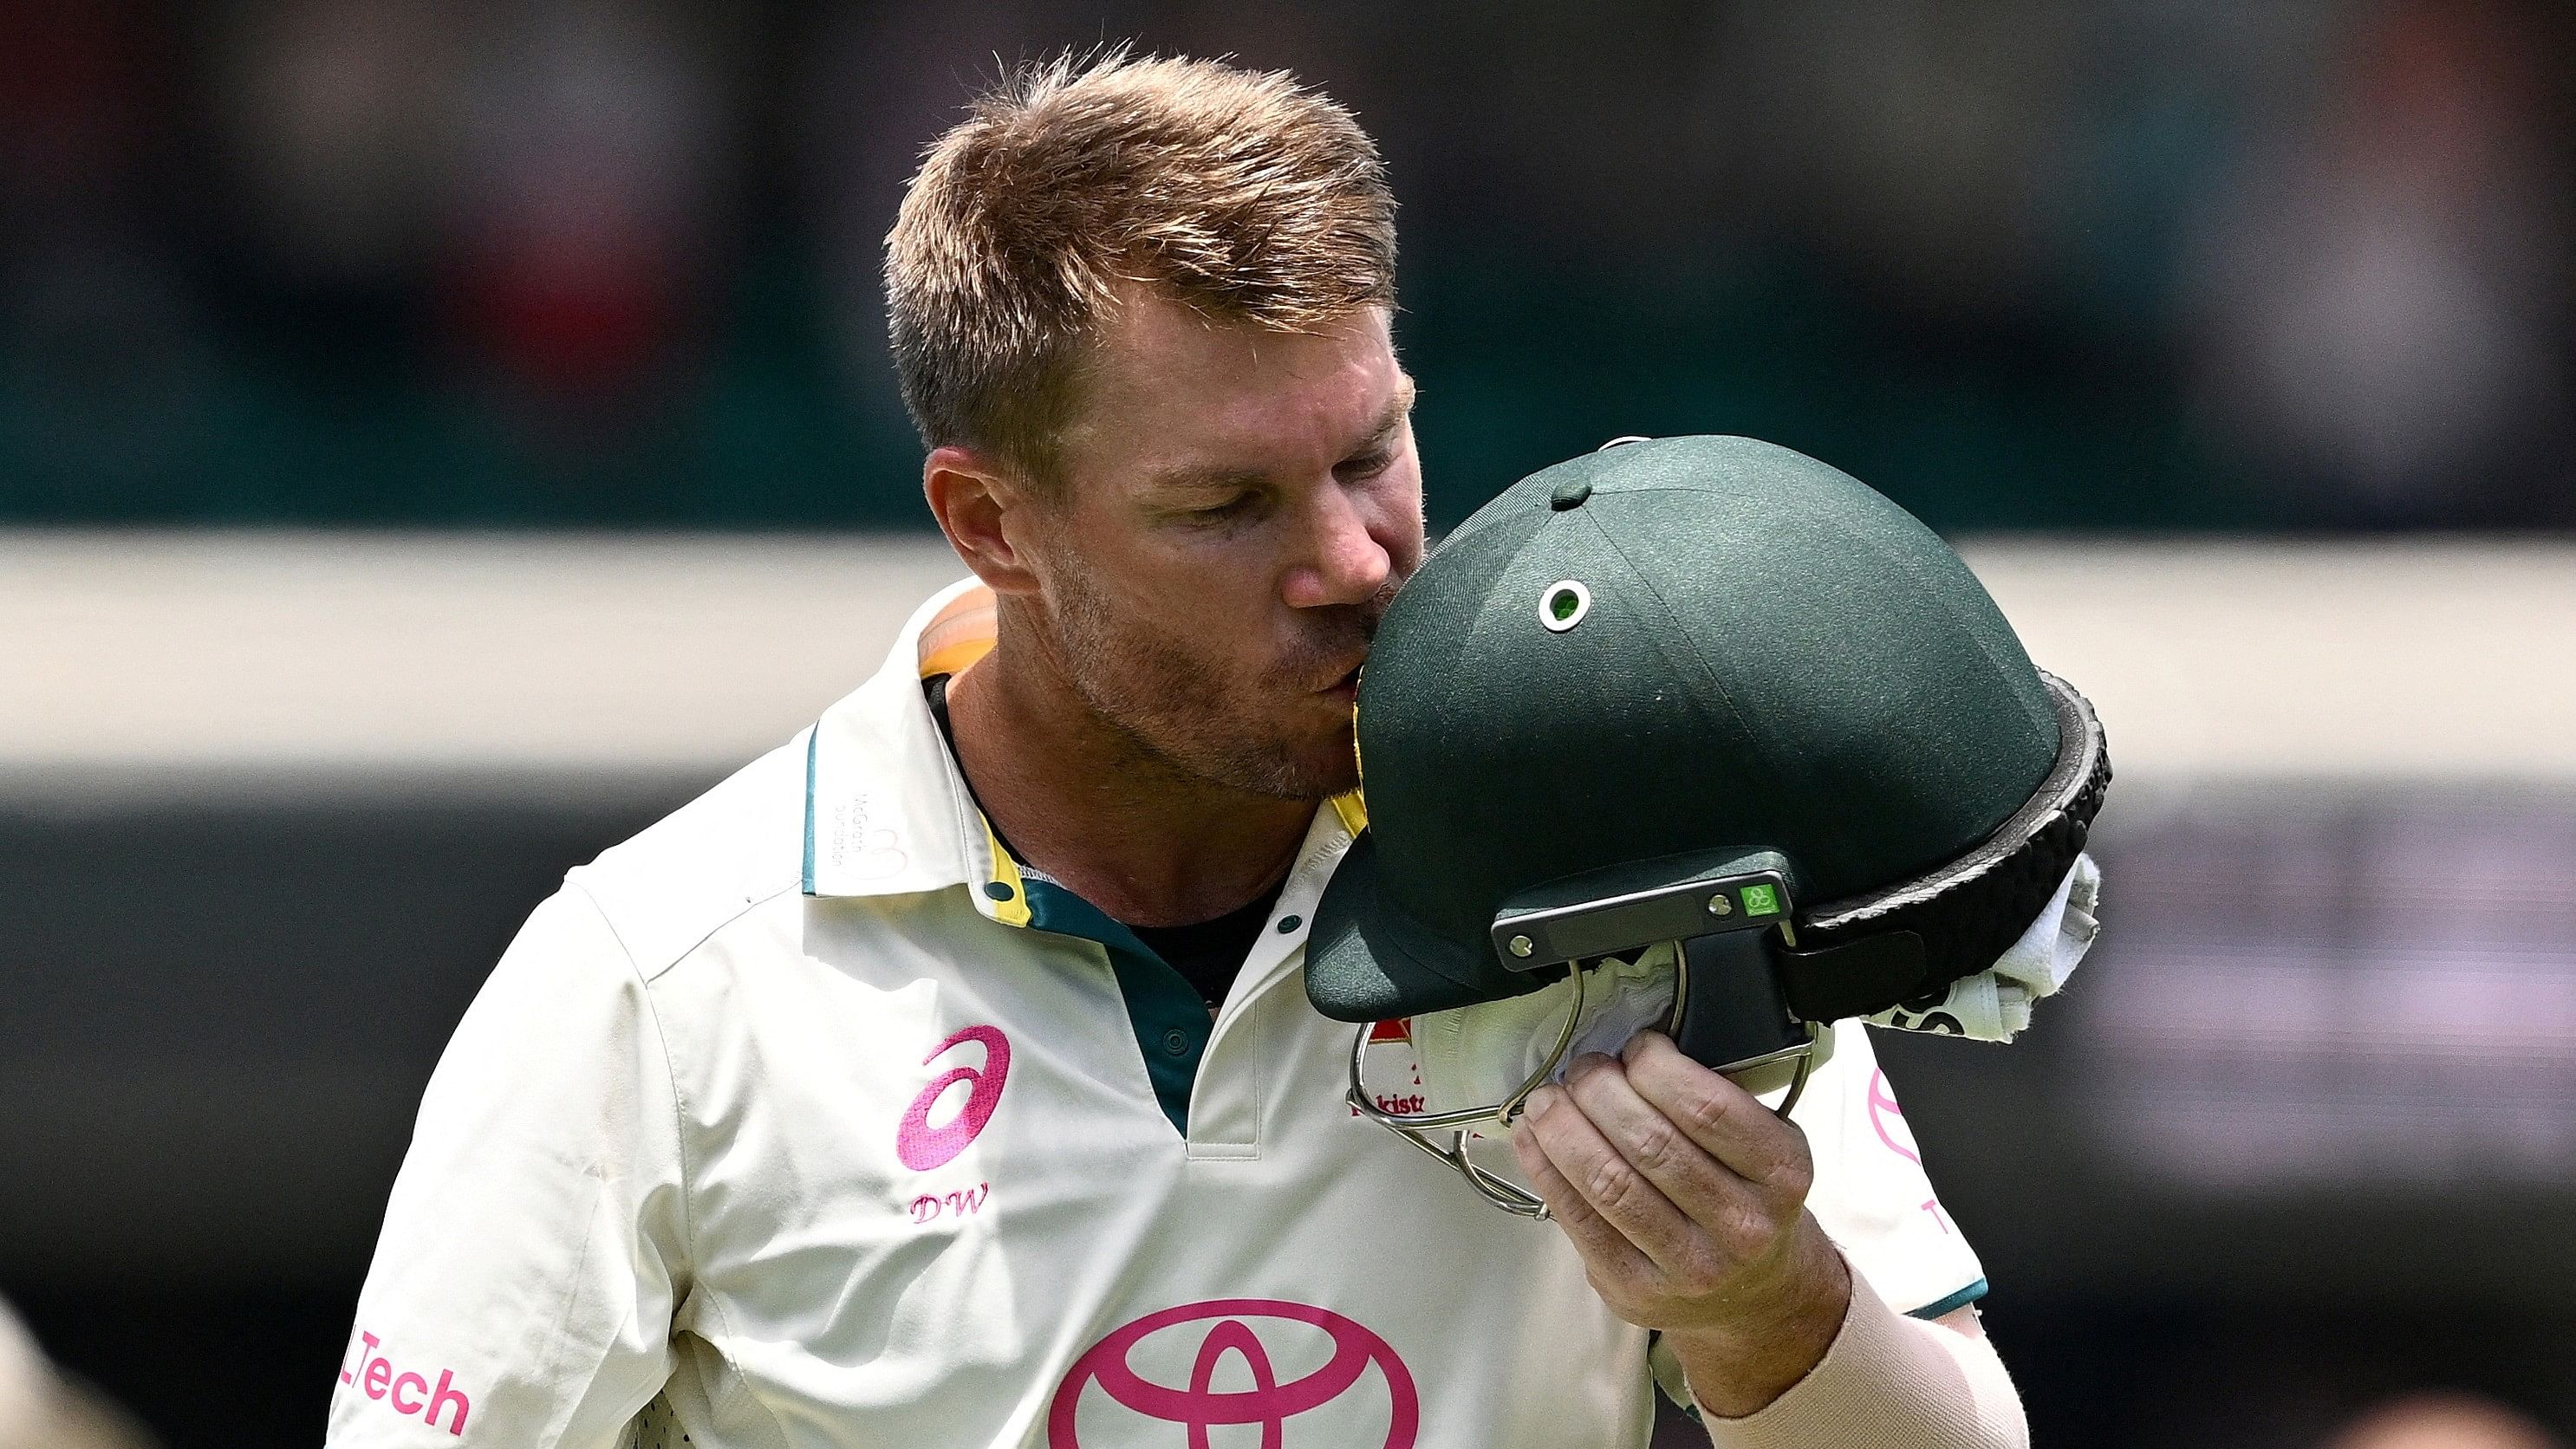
x=1187 y=716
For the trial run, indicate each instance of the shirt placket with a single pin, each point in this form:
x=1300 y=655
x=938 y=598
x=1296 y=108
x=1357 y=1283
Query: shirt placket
x=1226 y=1106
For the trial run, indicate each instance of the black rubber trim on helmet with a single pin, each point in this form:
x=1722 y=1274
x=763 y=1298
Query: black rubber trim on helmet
x=1865 y=954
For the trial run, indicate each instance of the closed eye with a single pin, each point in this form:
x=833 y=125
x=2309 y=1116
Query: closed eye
x=1233 y=508
x=1366 y=466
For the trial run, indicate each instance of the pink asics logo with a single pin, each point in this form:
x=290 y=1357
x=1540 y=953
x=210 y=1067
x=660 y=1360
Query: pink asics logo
x=1200 y=1405
x=922 y=1146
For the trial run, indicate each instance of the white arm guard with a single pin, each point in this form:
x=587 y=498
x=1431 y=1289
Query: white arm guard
x=1889 y=1382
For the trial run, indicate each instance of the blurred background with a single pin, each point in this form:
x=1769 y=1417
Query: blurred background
x=437 y=437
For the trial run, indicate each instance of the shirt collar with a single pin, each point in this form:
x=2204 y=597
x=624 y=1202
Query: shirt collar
x=886 y=810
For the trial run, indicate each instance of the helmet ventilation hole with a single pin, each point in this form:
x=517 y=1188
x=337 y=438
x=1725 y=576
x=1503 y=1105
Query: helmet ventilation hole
x=1563 y=605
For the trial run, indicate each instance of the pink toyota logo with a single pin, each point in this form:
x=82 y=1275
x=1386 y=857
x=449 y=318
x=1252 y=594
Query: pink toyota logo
x=1199 y=1406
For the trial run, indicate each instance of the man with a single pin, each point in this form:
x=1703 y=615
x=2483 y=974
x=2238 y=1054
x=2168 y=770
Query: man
x=944 y=1077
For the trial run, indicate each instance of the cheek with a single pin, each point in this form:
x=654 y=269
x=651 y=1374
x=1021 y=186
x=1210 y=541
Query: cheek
x=1222 y=620
x=1223 y=598
x=1146 y=584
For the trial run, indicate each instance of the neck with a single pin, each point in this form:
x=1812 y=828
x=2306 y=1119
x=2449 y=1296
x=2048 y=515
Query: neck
x=1116 y=824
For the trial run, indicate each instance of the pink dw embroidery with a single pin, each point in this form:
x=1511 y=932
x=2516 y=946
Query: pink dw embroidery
x=930 y=1206
x=922 y=1146
x=406 y=1393
x=1199 y=1406
x=1883 y=1108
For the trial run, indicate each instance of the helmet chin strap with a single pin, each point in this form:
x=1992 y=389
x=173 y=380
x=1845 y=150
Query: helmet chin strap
x=1510 y=1196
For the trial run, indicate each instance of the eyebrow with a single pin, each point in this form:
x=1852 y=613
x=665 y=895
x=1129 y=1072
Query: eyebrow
x=1187 y=475
x=1398 y=408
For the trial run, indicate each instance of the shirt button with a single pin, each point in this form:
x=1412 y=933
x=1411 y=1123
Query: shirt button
x=1177 y=1042
x=1290 y=923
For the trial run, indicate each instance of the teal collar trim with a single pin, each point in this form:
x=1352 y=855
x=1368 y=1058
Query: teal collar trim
x=1170 y=1021
x=1960 y=1299
x=813 y=738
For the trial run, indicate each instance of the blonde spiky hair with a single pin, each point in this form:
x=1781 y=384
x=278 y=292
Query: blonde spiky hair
x=1237 y=193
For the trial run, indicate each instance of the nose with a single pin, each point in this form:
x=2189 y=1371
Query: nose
x=1345 y=562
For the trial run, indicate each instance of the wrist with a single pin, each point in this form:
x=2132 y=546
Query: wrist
x=1771 y=1337
x=1886 y=1380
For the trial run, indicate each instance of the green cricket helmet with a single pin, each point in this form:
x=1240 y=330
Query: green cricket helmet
x=1703 y=690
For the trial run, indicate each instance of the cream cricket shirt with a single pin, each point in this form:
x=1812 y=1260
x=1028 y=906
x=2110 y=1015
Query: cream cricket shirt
x=807 y=1117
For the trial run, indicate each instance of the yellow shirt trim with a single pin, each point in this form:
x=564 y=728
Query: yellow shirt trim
x=1353 y=808
x=1013 y=909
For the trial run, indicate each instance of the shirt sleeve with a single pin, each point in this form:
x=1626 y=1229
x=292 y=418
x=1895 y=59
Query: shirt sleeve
x=522 y=1289
x=1871 y=1194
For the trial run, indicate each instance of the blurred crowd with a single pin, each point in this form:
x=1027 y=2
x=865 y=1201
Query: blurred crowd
x=2042 y=262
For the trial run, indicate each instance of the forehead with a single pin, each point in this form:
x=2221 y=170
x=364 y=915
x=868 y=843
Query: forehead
x=1169 y=387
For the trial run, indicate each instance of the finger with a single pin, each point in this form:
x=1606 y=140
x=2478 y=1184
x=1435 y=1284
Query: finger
x=1755 y=1143
x=1611 y=1185
x=1716 y=1205
x=1608 y=1255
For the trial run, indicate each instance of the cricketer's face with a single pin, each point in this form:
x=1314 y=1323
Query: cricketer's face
x=1237 y=508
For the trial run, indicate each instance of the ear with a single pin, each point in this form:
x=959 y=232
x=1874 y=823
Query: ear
x=979 y=505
